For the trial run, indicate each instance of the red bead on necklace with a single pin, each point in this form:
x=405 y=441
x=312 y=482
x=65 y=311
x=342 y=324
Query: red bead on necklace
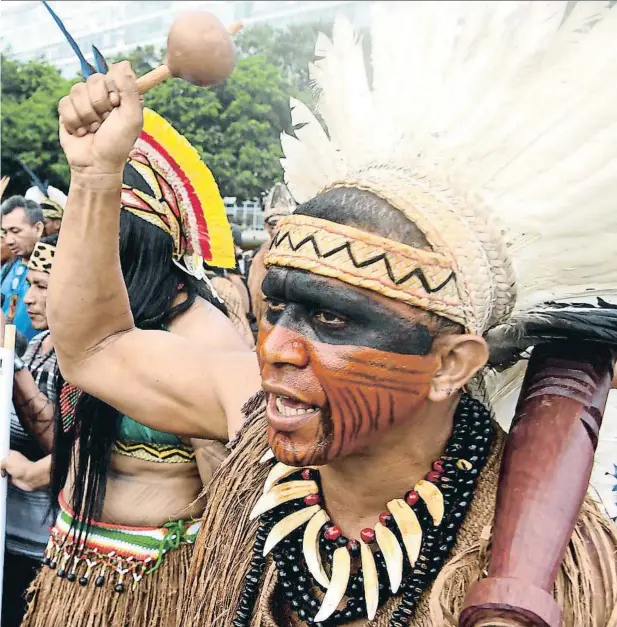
x=312 y=499
x=333 y=532
x=368 y=535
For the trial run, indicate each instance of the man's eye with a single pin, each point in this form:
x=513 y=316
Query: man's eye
x=328 y=318
x=275 y=306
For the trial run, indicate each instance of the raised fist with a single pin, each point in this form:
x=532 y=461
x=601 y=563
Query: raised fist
x=100 y=121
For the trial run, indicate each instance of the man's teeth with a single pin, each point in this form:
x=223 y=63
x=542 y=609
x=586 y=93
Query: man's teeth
x=291 y=411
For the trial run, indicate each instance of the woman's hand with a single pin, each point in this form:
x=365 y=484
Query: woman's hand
x=26 y=475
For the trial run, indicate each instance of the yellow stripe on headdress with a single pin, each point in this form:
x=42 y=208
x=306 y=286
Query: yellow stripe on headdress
x=196 y=207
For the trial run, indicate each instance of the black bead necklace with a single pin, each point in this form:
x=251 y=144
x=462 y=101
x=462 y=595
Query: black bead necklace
x=455 y=475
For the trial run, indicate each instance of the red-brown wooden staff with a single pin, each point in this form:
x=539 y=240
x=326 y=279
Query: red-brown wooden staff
x=544 y=477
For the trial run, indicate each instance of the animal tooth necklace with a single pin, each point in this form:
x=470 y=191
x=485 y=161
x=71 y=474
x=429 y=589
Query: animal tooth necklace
x=320 y=570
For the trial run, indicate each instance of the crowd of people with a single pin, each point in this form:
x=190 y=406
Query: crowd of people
x=310 y=433
x=162 y=295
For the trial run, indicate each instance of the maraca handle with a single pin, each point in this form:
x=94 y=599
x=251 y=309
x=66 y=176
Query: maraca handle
x=153 y=78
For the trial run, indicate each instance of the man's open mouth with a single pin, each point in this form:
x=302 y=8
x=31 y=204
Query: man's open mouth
x=289 y=414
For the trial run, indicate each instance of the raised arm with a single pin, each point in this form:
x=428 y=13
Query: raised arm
x=157 y=378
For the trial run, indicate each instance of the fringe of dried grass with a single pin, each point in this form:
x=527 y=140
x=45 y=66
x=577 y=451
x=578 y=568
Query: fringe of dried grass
x=586 y=585
x=155 y=601
x=224 y=546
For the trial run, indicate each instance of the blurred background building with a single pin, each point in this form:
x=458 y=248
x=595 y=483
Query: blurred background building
x=119 y=26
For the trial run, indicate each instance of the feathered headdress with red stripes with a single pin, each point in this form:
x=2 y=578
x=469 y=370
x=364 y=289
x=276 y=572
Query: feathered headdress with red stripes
x=180 y=196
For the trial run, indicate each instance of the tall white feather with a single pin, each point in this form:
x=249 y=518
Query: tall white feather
x=57 y=196
x=510 y=105
x=35 y=194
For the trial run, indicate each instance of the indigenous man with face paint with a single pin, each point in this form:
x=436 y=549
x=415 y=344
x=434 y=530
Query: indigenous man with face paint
x=362 y=485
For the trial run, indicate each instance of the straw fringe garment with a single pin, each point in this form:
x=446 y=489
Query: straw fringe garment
x=156 y=601
x=224 y=549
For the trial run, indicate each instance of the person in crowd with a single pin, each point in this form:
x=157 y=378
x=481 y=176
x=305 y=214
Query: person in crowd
x=28 y=464
x=139 y=487
x=22 y=227
x=52 y=214
x=229 y=294
x=52 y=202
x=5 y=252
x=278 y=203
x=362 y=480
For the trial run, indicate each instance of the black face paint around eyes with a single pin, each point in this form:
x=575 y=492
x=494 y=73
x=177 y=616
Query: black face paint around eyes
x=368 y=322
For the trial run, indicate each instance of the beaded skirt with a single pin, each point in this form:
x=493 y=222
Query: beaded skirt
x=120 y=576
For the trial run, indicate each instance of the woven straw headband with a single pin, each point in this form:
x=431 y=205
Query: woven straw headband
x=467 y=278
x=51 y=209
x=42 y=257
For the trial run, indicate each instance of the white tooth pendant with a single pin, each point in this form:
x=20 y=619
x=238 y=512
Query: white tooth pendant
x=341 y=568
x=371 y=582
x=281 y=494
x=266 y=457
x=281 y=471
x=392 y=554
x=409 y=526
x=310 y=548
x=288 y=524
x=433 y=498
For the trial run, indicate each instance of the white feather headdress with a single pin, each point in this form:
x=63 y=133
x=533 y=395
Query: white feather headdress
x=53 y=204
x=496 y=121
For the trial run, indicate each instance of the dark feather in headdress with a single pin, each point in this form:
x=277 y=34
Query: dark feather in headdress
x=86 y=68
x=578 y=322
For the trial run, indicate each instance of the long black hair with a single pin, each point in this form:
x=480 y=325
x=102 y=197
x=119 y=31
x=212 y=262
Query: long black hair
x=153 y=281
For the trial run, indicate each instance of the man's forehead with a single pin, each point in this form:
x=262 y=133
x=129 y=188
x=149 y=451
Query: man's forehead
x=17 y=217
x=38 y=276
x=302 y=285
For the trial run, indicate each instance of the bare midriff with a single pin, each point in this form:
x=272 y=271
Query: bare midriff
x=148 y=494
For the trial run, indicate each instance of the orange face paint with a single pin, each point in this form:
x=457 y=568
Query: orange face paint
x=360 y=393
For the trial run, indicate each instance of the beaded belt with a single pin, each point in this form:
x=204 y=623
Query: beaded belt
x=113 y=553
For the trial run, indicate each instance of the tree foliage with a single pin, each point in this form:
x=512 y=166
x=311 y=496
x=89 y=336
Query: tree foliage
x=235 y=126
x=30 y=95
x=291 y=49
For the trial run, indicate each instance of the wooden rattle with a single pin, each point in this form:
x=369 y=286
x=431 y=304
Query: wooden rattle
x=199 y=49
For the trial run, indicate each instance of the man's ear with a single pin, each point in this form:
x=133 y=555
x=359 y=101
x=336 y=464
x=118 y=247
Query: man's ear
x=40 y=228
x=461 y=356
